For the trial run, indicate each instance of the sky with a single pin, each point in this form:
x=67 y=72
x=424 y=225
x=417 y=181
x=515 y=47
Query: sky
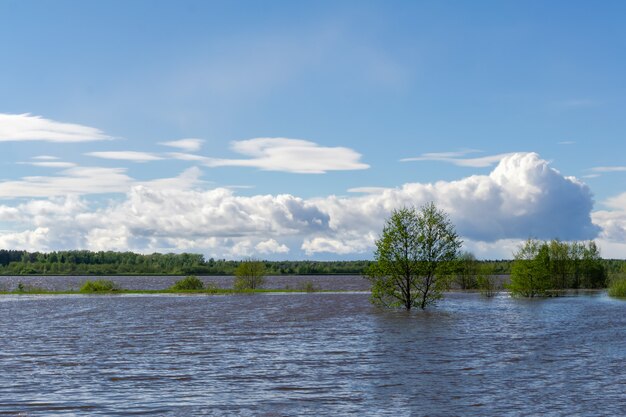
x=291 y=130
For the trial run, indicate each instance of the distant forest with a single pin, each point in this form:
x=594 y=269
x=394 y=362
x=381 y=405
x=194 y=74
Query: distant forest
x=83 y=262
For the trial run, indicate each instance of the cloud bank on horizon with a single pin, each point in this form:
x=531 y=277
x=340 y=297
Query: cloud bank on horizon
x=521 y=197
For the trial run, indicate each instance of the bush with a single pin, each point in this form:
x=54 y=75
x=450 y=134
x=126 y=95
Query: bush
x=617 y=287
x=29 y=289
x=101 y=285
x=188 y=283
x=308 y=286
x=530 y=272
x=249 y=275
x=486 y=281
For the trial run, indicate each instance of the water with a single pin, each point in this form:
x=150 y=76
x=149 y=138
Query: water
x=319 y=354
x=63 y=283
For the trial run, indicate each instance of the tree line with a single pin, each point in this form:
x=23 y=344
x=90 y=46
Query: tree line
x=541 y=267
x=465 y=270
x=84 y=262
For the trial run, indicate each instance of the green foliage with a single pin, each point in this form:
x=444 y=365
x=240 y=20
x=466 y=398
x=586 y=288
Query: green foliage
x=413 y=258
x=190 y=282
x=13 y=262
x=530 y=274
x=486 y=281
x=249 y=275
x=617 y=287
x=559 y=253
x=545 y=267
x=308 y=286
x=466 y=270
x=101 y=285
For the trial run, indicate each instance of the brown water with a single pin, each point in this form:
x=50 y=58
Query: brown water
x=320 y=354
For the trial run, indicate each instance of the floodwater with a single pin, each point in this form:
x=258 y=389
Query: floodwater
x=317 y=354
x=63 y=283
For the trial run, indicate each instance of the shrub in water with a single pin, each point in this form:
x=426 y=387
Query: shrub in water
x=617 y=288
x=190 y=282
x=101 y=285
x=308 y=286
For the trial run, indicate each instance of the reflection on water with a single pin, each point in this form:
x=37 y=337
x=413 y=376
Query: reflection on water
x=310 y=354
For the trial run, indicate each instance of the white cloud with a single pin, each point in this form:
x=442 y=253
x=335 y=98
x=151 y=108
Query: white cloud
x=188 y=157
x=26 y=127
x=126 y=156
x=51 y=164
x=613 y=221
x=188 y=145
x=77 y=180
x=291 y=155
x=271 y=246
x=609 y=169
x=351 y=243
x=45 y=158
x=457 y=158
x=89 y=180
x=522 y=197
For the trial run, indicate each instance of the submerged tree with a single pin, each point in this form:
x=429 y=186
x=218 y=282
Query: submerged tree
x=530 y=273
x=486 y=281
x=249 y=275
x=413 y=257
x=467 y=268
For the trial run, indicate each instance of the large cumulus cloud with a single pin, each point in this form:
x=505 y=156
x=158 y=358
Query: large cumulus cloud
x=522 y=197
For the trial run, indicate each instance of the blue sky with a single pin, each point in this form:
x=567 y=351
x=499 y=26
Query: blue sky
x=292 y=129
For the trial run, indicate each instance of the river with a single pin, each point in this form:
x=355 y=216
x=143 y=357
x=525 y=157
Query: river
x=316 y=354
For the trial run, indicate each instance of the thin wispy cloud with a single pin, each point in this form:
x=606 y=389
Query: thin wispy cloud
x=132 y=156
x=51 y=164
x=78 y=180
x=566 y=142
x=26 y=127
x=187 y=145
x=45 y=158
x=285 y=155
x=609 y=169
x=458 y=158
x=188 y=157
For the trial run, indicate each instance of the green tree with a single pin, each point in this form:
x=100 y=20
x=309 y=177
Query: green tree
x=486 y=281
x=249 y=275
x=594 y=274
x=413 y=257
x=530 y=272
x=560 y=264
x=466 y=270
